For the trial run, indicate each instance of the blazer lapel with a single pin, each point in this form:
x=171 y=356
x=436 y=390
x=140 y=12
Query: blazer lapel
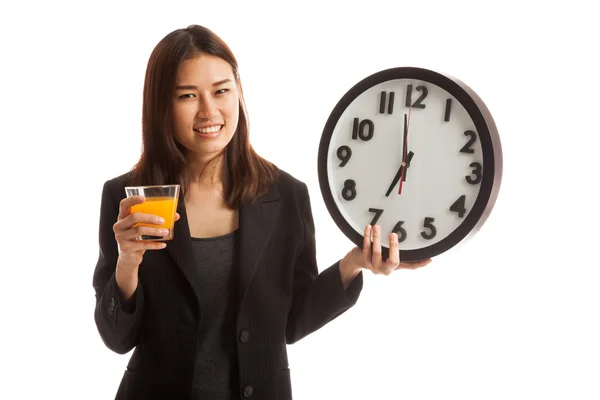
x=180 y=248
x=256 y=224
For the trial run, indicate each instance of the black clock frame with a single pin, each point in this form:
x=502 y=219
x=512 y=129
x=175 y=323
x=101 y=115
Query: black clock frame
x=490 y=144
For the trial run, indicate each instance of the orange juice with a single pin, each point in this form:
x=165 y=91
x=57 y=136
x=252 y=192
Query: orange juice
x=164 y=207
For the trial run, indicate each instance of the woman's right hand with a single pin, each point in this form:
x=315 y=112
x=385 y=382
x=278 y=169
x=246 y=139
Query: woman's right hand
x=131 y=251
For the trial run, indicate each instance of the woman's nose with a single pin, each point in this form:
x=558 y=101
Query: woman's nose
x=207 y=108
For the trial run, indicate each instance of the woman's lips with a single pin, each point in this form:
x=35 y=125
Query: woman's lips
x=208 y=132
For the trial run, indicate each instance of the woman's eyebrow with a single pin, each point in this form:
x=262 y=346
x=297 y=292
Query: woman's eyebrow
x=192 y=87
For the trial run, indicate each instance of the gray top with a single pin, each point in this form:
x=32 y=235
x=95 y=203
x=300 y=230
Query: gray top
x=215 y=370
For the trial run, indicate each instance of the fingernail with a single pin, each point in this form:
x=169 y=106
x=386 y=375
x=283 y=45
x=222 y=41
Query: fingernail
x=161 y=220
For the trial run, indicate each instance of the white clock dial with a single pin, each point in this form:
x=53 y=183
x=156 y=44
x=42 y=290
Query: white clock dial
x=443 y=156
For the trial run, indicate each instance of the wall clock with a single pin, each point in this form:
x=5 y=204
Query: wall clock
x=414 y=151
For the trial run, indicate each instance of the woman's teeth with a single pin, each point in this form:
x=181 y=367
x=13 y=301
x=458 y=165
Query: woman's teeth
x=211 y=129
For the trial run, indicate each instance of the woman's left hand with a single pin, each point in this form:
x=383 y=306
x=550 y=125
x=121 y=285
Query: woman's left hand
x=369 y=257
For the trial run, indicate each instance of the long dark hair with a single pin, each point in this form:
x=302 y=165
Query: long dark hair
x=246 y=175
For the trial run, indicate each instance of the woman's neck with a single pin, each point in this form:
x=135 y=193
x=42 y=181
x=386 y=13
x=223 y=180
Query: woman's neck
x=206 y=173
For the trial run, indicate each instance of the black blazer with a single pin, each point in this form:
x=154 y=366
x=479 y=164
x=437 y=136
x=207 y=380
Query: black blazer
x=281 y=297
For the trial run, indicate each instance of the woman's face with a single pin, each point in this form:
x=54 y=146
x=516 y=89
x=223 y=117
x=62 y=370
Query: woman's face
x=205 y=106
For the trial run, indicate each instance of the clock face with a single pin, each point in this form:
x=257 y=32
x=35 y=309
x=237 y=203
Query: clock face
x=405 y=153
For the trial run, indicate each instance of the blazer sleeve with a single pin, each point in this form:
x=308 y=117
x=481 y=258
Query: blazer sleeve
x=318 y=298
x=118 y=323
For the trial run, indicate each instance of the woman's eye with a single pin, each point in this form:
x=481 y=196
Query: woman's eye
x=187 y=96
x=221 y=91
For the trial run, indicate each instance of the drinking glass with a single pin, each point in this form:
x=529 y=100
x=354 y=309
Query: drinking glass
x=160 y=200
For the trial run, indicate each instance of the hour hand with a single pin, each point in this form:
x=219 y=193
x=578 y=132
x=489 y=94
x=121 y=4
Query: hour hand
x=400 y=174
x=396 y=179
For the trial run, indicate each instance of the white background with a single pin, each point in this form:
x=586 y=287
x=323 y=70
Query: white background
x=513 y=313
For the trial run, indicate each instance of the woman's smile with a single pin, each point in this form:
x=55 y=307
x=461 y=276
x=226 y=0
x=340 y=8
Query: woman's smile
x=208 y=131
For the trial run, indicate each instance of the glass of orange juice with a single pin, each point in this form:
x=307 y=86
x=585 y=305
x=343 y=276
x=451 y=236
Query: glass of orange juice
x=161 y=200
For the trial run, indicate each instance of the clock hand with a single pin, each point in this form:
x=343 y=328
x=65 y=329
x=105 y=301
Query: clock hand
x=406 y=125
x=400 y=173
x=409 y=157
x=396 y=179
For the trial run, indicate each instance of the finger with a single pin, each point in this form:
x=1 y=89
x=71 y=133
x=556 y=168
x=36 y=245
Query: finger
x=151 y=245
x=394 y=258
x=376 y=257
x=143 y=230
x=136 y=219
x=126 y=203
x=177 y=216
x=157 y=246
x=133 y=246
x=366 y=250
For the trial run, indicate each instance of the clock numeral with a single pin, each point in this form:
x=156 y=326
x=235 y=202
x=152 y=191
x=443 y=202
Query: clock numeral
x=344 y=153
x=447 y=110
x=378 y=212
x=382 y=101
x=472 y=139
x=459 y=206
x=428 y=224
x=364 y=129
x=349 y=190
x=419 y=102
x=477 y=172
x=400 y=231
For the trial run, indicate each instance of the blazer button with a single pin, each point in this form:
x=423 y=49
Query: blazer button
x=248 y=390
x=111 y=306
x=244 y=336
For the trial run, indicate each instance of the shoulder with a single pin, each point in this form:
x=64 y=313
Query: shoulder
x=287 y=184
x=291 y=192
x=288 y=180
x=115 y=186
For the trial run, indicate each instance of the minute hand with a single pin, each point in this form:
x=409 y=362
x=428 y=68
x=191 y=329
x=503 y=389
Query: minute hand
x=404 y=164
x=404 y=145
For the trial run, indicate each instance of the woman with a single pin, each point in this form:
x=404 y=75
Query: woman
x=210 y=313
